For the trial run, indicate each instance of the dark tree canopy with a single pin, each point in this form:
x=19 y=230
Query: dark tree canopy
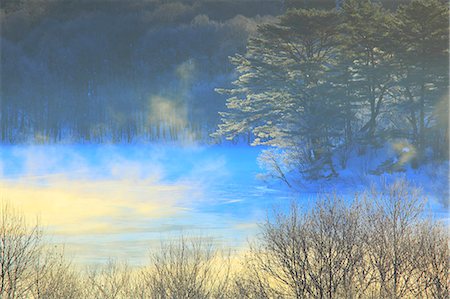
x=318 y=82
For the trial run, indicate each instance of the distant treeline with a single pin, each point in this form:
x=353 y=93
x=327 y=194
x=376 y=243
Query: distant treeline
x=121 y=71
x=117 y=71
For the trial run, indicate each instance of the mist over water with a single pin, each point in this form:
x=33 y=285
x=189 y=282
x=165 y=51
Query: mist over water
x=106 y=200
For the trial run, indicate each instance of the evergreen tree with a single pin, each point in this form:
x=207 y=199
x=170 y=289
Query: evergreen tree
x=365 y=42
x=282 y=95
x=320 y=81
x=420 y=36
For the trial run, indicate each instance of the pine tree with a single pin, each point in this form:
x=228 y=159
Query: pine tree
x=365 y=43
x=282 y=95
x=420 y=36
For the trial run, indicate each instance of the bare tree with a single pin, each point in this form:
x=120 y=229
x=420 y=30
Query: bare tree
x=432 y=261
x=314 y=254
x=110 y=281
x=378 y=247
x=251 y=281
x=20 y=248
x=282 y=254
x=54 y=277
x=392 y=215
x=335 y=262
x=187 y=268
x=29 y=267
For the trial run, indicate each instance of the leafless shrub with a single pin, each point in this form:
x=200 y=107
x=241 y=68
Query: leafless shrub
x=29 y=267
x=251 y=281
x=381 y=246
x=433 y=261
x=187 y=268
x=110 y=281
x=20 y=248
x=378 y=247
x=335 y=261
x=391 y=219
x=55 y=278
x=315 y=254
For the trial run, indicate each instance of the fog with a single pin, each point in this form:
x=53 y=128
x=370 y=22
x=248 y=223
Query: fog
x=97 y=71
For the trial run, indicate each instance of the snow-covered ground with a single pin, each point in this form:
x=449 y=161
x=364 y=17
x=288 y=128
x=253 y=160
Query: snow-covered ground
x=119 y=200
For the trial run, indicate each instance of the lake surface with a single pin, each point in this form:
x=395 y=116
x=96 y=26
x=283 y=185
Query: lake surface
x=105 y=201
x=119 y=201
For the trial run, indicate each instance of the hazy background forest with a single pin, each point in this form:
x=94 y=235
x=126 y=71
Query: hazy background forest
x=120 y=71
x=224 y=149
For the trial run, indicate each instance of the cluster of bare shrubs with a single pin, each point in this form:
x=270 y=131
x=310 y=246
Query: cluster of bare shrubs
x=380 y=245
x=29 y=268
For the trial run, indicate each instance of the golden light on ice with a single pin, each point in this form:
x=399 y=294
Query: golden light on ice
x=79 y=206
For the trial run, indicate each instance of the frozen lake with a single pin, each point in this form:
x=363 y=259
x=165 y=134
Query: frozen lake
x=106 y=201
x=118 y=201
